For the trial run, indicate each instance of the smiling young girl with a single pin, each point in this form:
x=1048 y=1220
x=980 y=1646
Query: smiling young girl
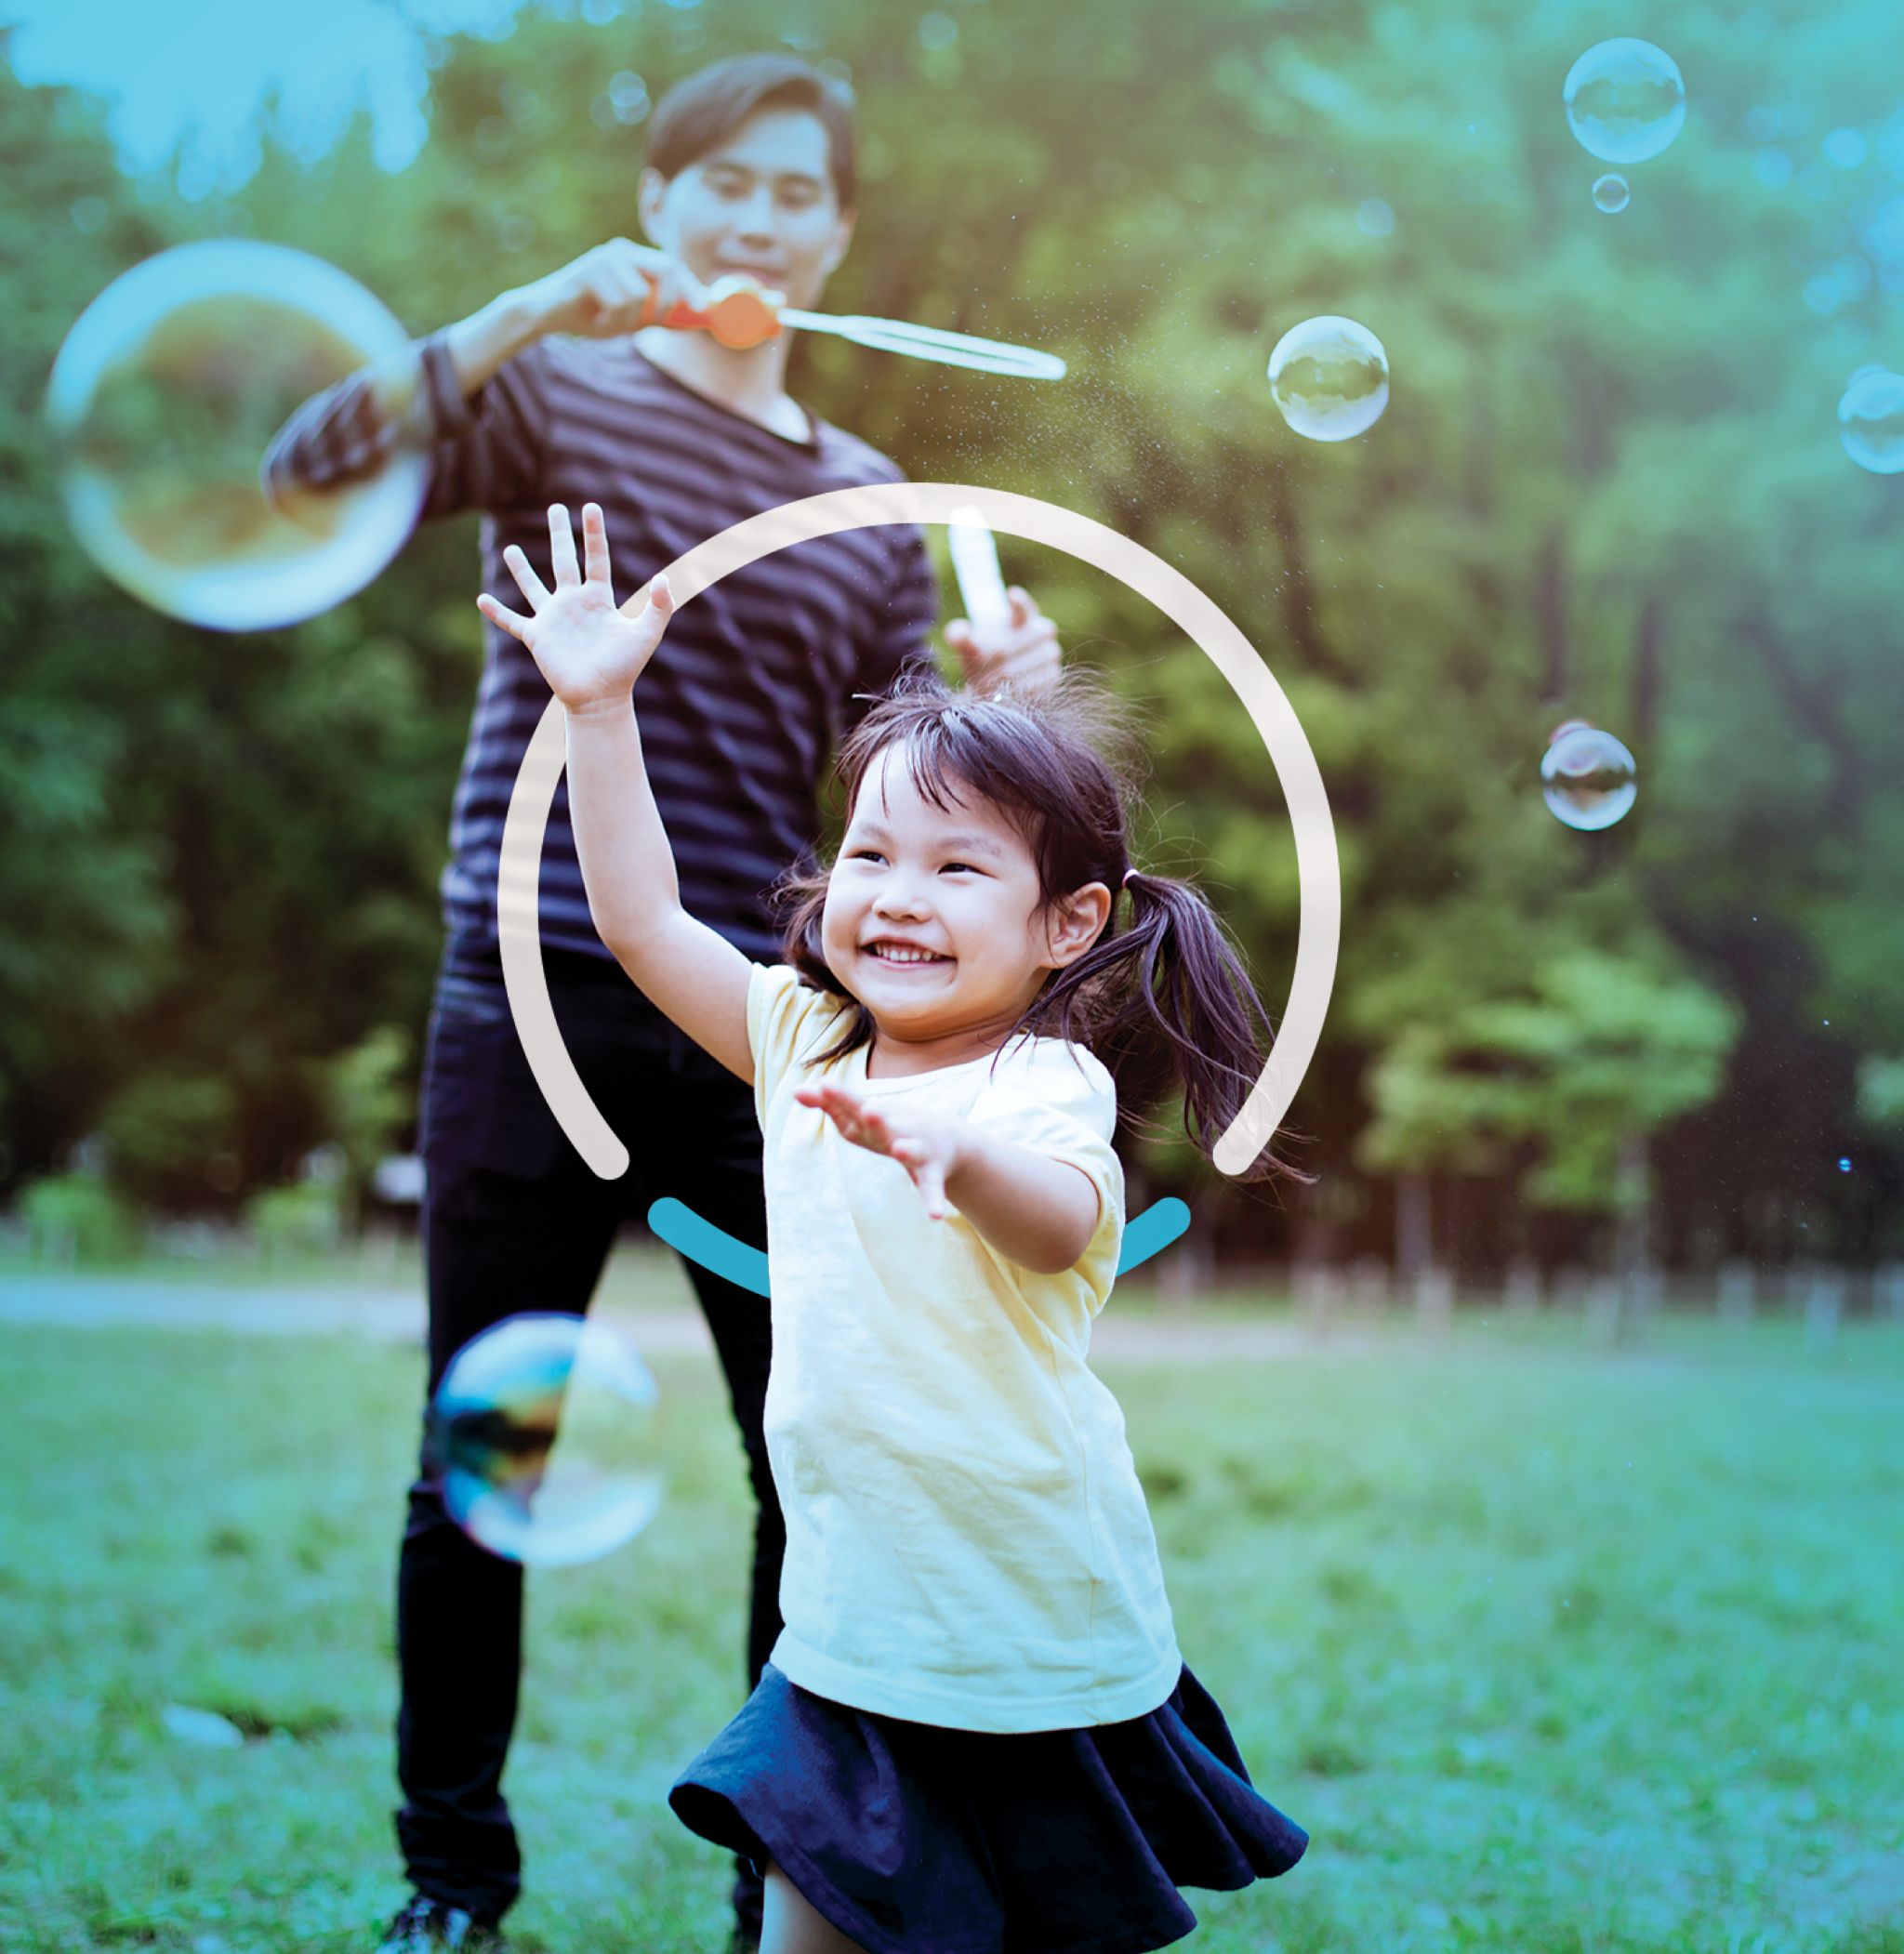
x=977 y=1735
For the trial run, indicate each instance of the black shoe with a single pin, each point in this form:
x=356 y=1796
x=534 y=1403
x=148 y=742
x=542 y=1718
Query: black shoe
x=426 y=1925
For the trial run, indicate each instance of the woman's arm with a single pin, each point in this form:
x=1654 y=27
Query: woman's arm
x=348 y=433
x=591 y=651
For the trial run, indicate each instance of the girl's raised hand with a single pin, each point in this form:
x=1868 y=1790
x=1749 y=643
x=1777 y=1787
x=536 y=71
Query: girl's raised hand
x=927 y=1146
x=590 y=652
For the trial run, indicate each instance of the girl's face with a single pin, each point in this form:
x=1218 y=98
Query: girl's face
x=933 y=920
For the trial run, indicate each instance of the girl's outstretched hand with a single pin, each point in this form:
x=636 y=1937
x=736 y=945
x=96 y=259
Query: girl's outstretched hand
x=927 y=1146
x=590 y=652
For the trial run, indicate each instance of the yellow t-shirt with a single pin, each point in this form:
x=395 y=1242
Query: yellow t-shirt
x=967 y=1542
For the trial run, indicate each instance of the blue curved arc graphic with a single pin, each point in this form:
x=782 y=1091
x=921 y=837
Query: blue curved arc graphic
x=714 y=1248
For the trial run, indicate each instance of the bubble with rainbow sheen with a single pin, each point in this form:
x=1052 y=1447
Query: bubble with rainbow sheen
x=1328 y=378
x=1611 y=193
x=1587 y=778
x=1870 y=420
x=1625 y=100
x=163 y=401
x=544 y=1429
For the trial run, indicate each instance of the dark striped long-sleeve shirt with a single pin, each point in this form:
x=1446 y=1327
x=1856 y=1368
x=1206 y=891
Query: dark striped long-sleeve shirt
x=756 y=679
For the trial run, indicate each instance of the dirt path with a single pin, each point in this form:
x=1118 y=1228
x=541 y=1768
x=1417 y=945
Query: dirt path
x=395 y=1315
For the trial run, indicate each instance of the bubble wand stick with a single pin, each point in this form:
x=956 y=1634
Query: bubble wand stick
x=975 y=564
x=741 y=314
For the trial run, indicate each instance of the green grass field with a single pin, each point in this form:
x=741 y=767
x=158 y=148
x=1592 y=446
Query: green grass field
x=1550 y=1648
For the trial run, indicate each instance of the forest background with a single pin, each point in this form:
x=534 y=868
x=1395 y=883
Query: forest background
x=1608 y=484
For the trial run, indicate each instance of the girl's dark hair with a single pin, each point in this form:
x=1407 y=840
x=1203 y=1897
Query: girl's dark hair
x=701 y=112
x=1161 y=998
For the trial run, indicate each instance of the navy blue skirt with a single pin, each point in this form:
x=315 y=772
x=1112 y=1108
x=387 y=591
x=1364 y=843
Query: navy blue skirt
x=916 y=1840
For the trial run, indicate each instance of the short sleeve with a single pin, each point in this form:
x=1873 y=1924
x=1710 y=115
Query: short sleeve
x=788 y=1019
x=1059 y=1101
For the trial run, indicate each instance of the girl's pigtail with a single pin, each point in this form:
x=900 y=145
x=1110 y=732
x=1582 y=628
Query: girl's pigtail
x=1185 y=1014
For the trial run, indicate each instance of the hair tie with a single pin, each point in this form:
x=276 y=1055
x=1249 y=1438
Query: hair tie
x=1127 y=874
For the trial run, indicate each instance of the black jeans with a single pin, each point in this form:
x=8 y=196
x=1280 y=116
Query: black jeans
x=513 y=1219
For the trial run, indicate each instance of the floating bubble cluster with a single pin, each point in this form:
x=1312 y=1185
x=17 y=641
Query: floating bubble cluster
x=1625 y=100
x=1330 y=377
x=163 y=401
x=543 y=1429
x=1587 y=778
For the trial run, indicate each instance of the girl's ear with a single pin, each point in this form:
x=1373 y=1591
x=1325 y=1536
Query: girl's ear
x=1075 y=921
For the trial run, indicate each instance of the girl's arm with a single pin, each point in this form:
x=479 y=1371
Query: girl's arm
x=591 y=653
x=1035 y=1210
x=690 y=972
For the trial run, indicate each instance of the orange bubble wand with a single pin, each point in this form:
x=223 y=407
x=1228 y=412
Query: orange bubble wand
x=741 y=314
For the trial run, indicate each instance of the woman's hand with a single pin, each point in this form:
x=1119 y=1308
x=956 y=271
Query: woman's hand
x=615 y=288
x=1022 y=653
x=928 y=1146
x=590 y=652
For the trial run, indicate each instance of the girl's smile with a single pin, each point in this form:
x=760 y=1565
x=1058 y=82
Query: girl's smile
x=934 y=921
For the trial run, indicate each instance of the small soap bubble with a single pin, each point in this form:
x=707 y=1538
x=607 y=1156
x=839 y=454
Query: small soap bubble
x=1843 y=149
x=1611 y=193
x=1373 y=218
x=544 y=1431
x=1870 y=422
x=1330 y=377
x=1773 y=168
x=627 y=96
x=1625 y=100
x=163 y=401
x=1587 y=778
x=1843 y=1164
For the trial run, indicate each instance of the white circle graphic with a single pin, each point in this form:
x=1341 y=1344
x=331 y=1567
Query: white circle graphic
x=1318 y=870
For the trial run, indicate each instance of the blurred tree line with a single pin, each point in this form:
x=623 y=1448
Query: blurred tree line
x=1608 y=484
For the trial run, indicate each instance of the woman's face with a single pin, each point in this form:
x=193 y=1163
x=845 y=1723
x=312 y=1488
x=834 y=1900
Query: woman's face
x=761 y=201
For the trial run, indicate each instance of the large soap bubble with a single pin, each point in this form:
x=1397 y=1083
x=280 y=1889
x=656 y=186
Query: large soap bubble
x=1330 y=377
x=1870 y=420
x=1625 y=100
x=1587 y=778
x=163 y=401
x=544 y=1427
